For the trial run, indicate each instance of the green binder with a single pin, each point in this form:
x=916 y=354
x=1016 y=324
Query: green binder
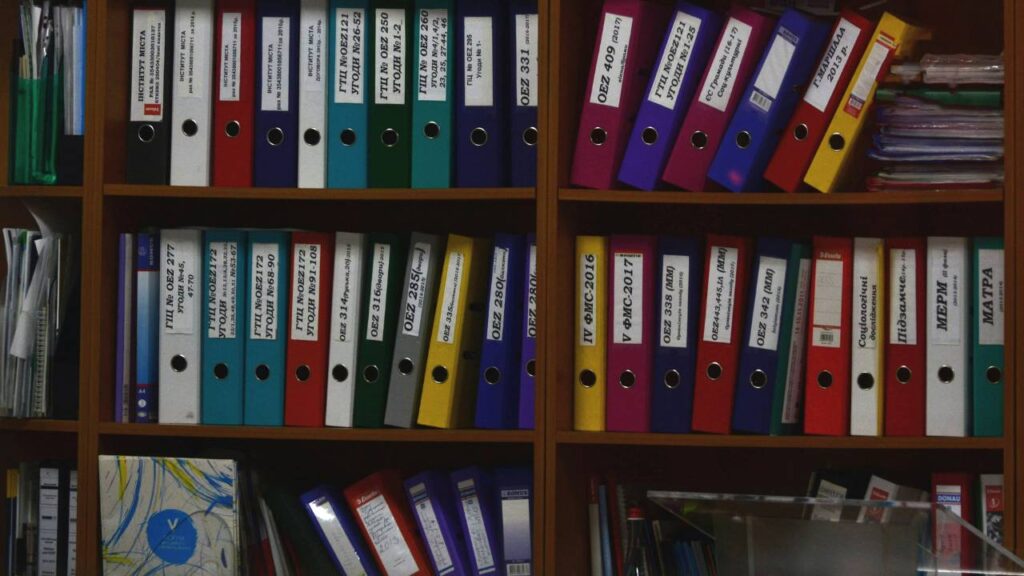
x=987 y=337
x=970 y=98
x=382 y=287
x=433 y=94
x=790 y=374
x=389 y=60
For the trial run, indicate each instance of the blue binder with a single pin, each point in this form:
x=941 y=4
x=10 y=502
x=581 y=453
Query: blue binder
x=266 y=327
x=324 y=509
x=497 y=397
x=347 y=94
x=147 y=326
x=524 y=91
x=680 y=274
x=769 y=101
x=478 y=518
x=480 y=123
x=224 y=305
x=276 y=152
x=430 y=494
x=759 y=349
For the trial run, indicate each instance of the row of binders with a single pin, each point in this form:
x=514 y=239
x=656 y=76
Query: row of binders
x=334 y=93
x=224 y=519
x=740 y=99
x=279 y=328
x=843 y=336
x=41 y=519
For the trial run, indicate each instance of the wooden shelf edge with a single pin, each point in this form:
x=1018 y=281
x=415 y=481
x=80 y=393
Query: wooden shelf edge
x=368 y=194
x=573 y=438
x=29 y=192
x=38 y=425
x=329 y=434
x=782 y=199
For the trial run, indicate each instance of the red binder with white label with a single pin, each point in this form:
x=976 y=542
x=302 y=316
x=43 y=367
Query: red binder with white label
x=234 y=93
x=827 y=395
x=630 y=316
x=312 y=263
x=379 y=507
x=952 y=544
x=905 y=352
x=723 y=309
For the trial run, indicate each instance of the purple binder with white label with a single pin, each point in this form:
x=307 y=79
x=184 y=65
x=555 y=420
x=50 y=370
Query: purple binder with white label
x=433 y=504
x=528 y=354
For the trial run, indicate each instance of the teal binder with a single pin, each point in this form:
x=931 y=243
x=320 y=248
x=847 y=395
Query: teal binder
x=348 y=92
x=987 y=336
x=434 y=73
x=224 y=307
x=784 y=369
x=266 y=331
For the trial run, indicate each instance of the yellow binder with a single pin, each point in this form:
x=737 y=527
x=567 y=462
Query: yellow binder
x=453 y=359
x=893 y=38
x=591 y=324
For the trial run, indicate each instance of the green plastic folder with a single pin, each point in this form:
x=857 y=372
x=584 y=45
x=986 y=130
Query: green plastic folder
x=432 y=94
x=787 y=371
x=37 y=124
x=987 y=336
x=970 y=98
x=390 y=147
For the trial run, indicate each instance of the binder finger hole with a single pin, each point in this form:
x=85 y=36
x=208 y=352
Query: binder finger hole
x=371 y=373
x=993 y=375
x=800 y=132
x=530 y=136
x=405 y=366
x=714 y=371
x=233 y=129
x=672 y=379
x=758 y=379
x=743 y=139
x=311 y=137
x=649 y=135
x=492 y=375
x=478 y=137
x=302 y=373
x=220 y=371
x=824 y=379
x=179 y=363
x=588 y=378
x=275 y=136
x=348 y=137
x=531 y=368
x=946 y=374
x=339 y=373
x=865 y=381
x=262 y=372
x=903 y=374
x=598 y=136
x=627 y=379
x=431 y=130
x=699 y=140
x=389 y=137
x=189 y=128
x=439 y=374
x=836 y=142
x=146 y=133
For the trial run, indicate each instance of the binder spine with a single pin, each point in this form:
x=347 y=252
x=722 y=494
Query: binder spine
x=312 y=85
x=346 y=312
x=224 y=299
x=192 y=90
x=433 y=99
x=275 y=158
x=147 y=327
x=528 y=354
x=268 y=297
x=148 y=146
x=234 y=93
x=350 y=85
x=988 y=295
x=523 y=91
x=390 y=99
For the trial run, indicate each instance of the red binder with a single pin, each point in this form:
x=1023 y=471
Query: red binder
x=742 y=40
x=799 y=142
x=378 y=501
x=630 y=350
x=953 y=545
x=721 y=325
x=308 y=326
x=827 y=396
x=234 y=93
x=905 y=352
x=628 y=36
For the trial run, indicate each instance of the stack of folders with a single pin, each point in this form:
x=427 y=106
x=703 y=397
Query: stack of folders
x=334 y=93
x=932 y=136
x=344 y=329
x=48 y=94
x=715 y=101
x=839 y=336
x=41 y=520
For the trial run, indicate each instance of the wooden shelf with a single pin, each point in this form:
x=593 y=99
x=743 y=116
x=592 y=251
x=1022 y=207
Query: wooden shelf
x=770 y=442
x=321 y=434
x=781 y=199
x=38 y=425
x=371 y=194
x=28 y=192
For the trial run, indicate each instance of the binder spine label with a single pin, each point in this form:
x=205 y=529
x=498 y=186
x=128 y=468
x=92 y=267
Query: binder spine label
x=721 y=79
x=795 y=378
x=313 y=52
x=450 y=302
x=879 y=55
x=610 y=60
x=515 y=523
x=903 y=297
x=230 y=57
x=432 y=72
x=419 y=279
x=946 y=294
x=865 y=299
x=148 y=29
x=674 y=60
x=180 y=286
x=479 y=60
x=675 y=295
x=768 y=82
x=346 y=283
x=531 y=301
x=828 y=512
x=276 y=44
x=827 y=319
x=336 y=537
x=193 y=31
x=499 y=292
x=991 y=286
x=629 y=298
x=49 y=514
x=222 y=291
x=265 y=295
x=386 y=536
x=431 y=529
x=721 y=295
x=475 y=526
x=588 y=312
x=306 y=292
x=73 y=522
x=832 y=65
x=527 y=56
x=378 y=292
x=766 y=315
x=348 y=55
x=390 y=51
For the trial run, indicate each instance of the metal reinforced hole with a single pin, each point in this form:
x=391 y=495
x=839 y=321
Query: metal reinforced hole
x=649 y=135
x=598 y=136
x=903 y=374
x=699 y=140
x=262 y=372
x=588 y=378
x=946 y=374
x=530 y=136
x=865 y=381
x=439 y=374
x=389 y=137
x=627 y=379
x=190 y=128
x=220 y=371
x=348 y=137
x=371 y=373
x=836 y=142
x=758 y=379
x=478 y=137
x=405 y=366
x=492 y=375
x=339 y=373
x=714 y=371
x=531 y=368
x=311 y=137
x=302 y=373
x=179 y=363
x=275 y=136
x=146 y=133
x=825 y=379
x=800 y=132
x=431 y=130
x=232 y=129
x=743 y=139
x=993 y=374
x=672 y=379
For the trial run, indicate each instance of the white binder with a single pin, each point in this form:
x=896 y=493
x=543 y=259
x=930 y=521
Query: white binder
x=948 y=340
x=192 y=104
x=313 y=38
x=180 y=326
x=868 y=343
x=344 y=341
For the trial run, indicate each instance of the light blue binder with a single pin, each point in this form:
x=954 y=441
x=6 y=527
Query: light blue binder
x=224 y=321
x=432 y=118
x=266 y=326
x=348 y=94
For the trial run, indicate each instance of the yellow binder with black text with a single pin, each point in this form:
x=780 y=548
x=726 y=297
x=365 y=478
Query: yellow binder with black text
x=589 y=341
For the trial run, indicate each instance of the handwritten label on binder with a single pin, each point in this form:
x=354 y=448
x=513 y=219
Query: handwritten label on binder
x=610 y=64
x=313 y=52
x=349 y=55
x=347 y=275
x=181 y=284
x=479 y=544
x=766 y=309
x=769 y=80
x=866 y=294
x=386 y=537
x=721 y=294
x=588 y=312
x=265 y=294
x=276 y=60
x=194 y=34
x=832 y=65
x=416 y=294
x=230 y=56
x=148 y=29
x=390 y=55
x=725 y=65
x=222 y=290
x=526 y=60
x=478 y=60
x=430 y=527
x=991 y=297
x=903 y=296
x=432 y=67
x=827 y=318
x=864 y=83
x=531 y=296
x=499 y=293
x=946 y=292
x=675 y=300
x=378 y=296
x=675 y=59
x=336 y=537
x=306 y=292
x=450 y=301
x=791 y=408
x=628 y=310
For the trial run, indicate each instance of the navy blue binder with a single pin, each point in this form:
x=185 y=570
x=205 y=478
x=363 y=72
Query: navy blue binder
x=524 y=91
x=276 y=156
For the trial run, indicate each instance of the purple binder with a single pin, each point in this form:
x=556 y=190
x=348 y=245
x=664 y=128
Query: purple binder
x=475 y=492
x=497 y=397
x=351 y=556
x=528 y=353
x=277 y=110
x=147 y=326
x=433 y=504
x=123 y=371
x=524 y=38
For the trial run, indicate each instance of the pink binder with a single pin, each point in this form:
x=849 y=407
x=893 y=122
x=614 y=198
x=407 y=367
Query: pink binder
x=628 y=36
x=735 y=58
